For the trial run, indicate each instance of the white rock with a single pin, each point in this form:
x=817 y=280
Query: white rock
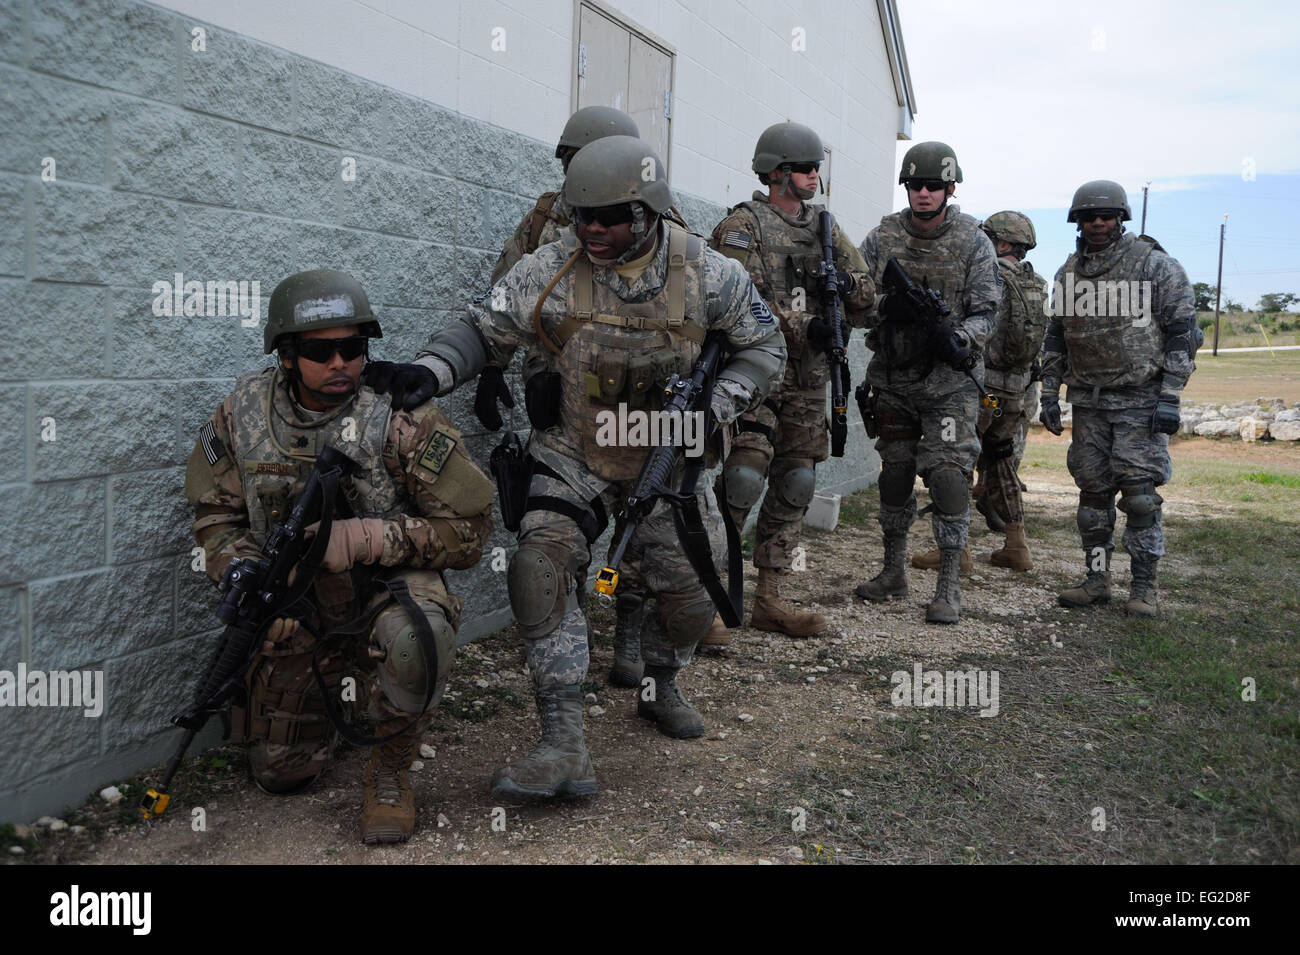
x=1218 y=428
x=823 y=512
x=589 y=699
x=58 y=825
x=745 y=717
x=1289 y=415
x=443 y=821
x=1211 y=414
x=697 y=790
x=77 y=830
x=597 y=711
x=416 y=766
x=427 y=751
x=1252 y=429
x=46 y=821
x=794 y=852
x=715 y=826
x=1285 y=430
x=17 y=850
x=110 y=795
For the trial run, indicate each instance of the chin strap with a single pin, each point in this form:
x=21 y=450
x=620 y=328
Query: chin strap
x=927 y=216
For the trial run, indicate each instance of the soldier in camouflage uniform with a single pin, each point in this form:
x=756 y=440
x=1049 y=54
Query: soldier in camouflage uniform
x=1123 y=338
x=775 y=236
x=926 y=410
x=620 y=309
x=1009 y=356
x=420 y=505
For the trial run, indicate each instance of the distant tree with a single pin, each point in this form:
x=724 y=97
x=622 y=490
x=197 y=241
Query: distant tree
x=1203 y=294
x=1277 y=301
x=1231 y=306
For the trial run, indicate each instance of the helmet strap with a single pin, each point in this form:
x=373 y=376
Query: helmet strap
x=927 y=216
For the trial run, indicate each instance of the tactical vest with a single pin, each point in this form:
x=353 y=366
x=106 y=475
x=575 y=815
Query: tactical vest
x=940 y=260
x=1022 y=322
x=275 y=453
x=790 y=255
x=616 y=352
x=1122 y=347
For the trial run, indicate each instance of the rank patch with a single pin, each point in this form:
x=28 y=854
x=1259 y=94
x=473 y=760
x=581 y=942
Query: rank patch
x=437 y=451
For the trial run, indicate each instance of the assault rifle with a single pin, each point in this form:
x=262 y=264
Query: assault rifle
x=835 y=356
x=932 y=311
x=685 y=396
x=257 y=591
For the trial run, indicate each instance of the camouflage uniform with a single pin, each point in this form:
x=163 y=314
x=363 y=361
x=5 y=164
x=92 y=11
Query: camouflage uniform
x=788 y=432
x=1116 y=359
x=926 y=411
x=619 y=350
x=248 y=468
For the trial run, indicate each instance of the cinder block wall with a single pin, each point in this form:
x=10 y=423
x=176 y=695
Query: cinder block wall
x=224 y=165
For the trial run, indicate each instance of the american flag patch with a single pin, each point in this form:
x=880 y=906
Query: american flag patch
x=737 y=239
x=213 y=449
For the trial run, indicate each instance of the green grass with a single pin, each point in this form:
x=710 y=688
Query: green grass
x=1266 y=477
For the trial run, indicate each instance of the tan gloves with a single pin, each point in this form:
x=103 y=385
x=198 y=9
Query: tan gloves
x=357 y=540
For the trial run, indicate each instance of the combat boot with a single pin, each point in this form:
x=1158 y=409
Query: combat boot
x=930 y=560
x=669 y=710
x=774 y=615
x=559 y=765
x=1143 y=600
x=892 y=579
x=1095 y=589
x=388 y=809
x=991 y=516
x=946 y=605
x=718 y=635
x=627 y=668
x=1015 y=552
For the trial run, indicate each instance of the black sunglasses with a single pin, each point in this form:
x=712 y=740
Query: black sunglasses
x=934 y=185
x=607 y=216
x=802 y=167
x=321 y=350
x=1105 y=215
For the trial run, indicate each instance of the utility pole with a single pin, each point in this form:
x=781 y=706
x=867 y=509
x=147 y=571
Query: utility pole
x=1218 y=285
x=1144 y=207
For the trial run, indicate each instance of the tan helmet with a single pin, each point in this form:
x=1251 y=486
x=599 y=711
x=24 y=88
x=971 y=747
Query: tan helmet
x=1100 y=194
x=595 y=122
x=1011 y=226
x=617 y=169
x=319 y=298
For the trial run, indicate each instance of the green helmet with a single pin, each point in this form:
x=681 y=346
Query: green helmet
x=1011 y=226
x=320 y=298
x=1100 y=194
x=786 y=142
x=595 y=122
x=617 y=169
x=932 y=160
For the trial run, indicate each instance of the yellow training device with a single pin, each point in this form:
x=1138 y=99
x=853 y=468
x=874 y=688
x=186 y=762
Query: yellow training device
x=154 y=804
x=607 y=582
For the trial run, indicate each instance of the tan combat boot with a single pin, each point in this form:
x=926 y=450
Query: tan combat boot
x=388 y=811
x=1143 y=599
x=772 y=614
x=930 y=560
x=718 y=635
x=1015 y=552
x=559 y=765
x=1094 y=590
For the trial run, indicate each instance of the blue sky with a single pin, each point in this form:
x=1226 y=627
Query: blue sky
x=1200 y=98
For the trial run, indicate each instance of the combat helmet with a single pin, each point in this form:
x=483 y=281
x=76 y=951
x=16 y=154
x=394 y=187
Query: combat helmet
x=786 y=142
x=316 y=299
x=595 y=122
x=617 y=169
x=1010 y=226
x=1099 y=194
x=930 y=160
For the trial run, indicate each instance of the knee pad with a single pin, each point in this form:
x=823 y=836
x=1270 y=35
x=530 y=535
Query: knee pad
x=539 y=590
x=744 y=484
x=403 y=673
x=997 y=450
x=950 y=491
x=1096 y=518
x=896 y=483
x=797 y=486
x=1141 y=503
x=686 y=623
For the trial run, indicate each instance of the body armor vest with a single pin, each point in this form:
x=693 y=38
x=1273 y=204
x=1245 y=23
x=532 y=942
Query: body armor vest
x=276 y=449
x=1021 y=327
x=940 y=260
x=790 y=255
x=1117 y=343
x=623 y=353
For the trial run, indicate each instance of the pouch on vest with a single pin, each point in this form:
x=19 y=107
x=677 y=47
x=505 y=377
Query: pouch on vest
x=606 y=383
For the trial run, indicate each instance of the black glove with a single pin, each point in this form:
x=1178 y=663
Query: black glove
x=953 y=349
x=1036 y=370
x=491 y=388
x=408 y=386
x=1165 y=420
x=819 y=334
x=1050 y=415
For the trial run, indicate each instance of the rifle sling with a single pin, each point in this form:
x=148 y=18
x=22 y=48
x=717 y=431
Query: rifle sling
x=730 y=601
